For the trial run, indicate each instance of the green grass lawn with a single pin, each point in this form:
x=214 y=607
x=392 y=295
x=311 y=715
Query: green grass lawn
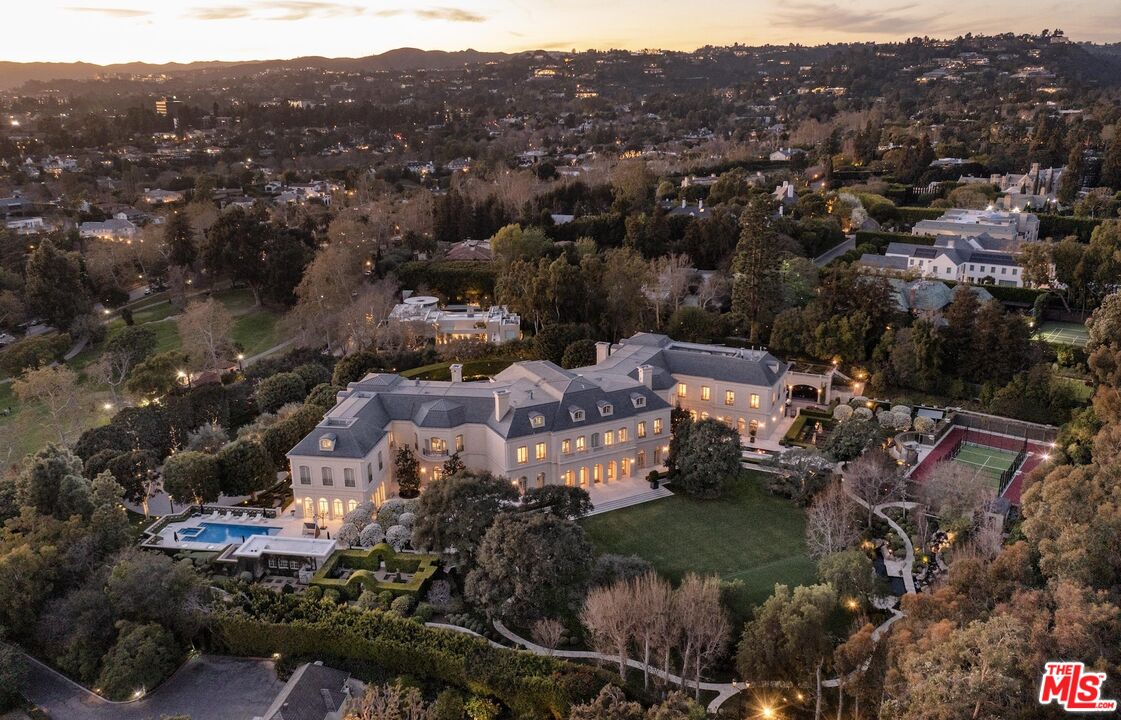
x=747 y=535
x=257 y=331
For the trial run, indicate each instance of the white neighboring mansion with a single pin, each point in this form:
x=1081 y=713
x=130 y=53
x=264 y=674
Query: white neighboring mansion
x=494 y=325
x=535 y=422
x=1033 y=189
x=118 y=227
x=974 y=246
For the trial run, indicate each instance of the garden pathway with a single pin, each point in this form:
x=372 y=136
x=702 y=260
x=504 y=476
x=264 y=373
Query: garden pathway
x=723 y=691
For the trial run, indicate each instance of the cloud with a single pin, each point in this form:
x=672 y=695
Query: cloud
x=287 y=10
x=112 y=12
x=449 y=14
x=899 y=20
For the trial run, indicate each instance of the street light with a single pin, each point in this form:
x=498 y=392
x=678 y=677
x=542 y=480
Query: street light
x=240 y=366
x=183 y=376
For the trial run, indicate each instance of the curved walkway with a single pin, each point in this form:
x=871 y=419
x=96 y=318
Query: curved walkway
x=723 y=690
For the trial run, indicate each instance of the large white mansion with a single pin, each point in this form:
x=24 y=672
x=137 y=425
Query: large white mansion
x=535 y=422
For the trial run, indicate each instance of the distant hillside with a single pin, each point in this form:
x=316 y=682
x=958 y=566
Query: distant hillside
x=14 y=74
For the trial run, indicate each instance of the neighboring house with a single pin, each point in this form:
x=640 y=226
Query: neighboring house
x=314 y=692
x=961 y=259
x=474 y=250
x=786 y=154
x=785 y=195
x=14 y=205
x=537 y=423
x=1036 y=188
x=495 y=325
x=162 y=197
x=1013 y=227
x=26 y=226
x=927 y=298
x=111 y=229
x=685 y=209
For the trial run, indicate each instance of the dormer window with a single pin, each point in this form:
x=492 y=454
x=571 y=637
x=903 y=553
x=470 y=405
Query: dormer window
x=327 y=442
x=537 y=420
x=577 y=414
x=639 y=401
x=605 y=409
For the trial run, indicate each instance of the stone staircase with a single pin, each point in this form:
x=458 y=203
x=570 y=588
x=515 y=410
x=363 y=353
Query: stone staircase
x=637 y=499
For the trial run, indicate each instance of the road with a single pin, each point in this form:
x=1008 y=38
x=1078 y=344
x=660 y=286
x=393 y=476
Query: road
x=207 y=687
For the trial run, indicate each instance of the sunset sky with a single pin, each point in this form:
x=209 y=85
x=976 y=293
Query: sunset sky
x=186 y=30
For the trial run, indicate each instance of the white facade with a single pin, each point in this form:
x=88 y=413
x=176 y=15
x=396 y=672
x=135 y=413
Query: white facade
x=494 y=325
x=534 y=422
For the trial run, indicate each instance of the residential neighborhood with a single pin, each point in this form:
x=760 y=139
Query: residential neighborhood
x=770 y=374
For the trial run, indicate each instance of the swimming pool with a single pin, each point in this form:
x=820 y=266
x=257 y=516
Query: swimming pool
x=213 y=533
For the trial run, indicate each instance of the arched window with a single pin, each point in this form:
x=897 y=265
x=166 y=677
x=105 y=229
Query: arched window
x=338 y=508
x=309 y=507
x=324 y=508
x=351 y=505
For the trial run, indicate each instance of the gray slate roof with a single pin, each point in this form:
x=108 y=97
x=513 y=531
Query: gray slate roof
x=312 y=692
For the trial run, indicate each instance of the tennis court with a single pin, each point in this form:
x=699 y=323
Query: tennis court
x=1063 y=333
x=987 y=462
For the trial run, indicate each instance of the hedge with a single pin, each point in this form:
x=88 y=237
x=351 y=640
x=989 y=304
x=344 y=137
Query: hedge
x=804 y=416
x=531 y=686
x=455 y=279
x=364 y=562
x=911 y=215
x=1058 y=227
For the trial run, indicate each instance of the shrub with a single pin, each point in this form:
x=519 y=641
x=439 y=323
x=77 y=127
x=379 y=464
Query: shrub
x=142 y=657
x=439 y=595
x=424 y=612
x=371 y=535
x=402 y=605
x=348 y=535
x=390 y=512
x=282 y=388
x=360 y=516
x=407 y=520
x=902 y=409
x=862 y=413
x=842 y=412
x=398 y=537
x=312 y=374
x=924 y=424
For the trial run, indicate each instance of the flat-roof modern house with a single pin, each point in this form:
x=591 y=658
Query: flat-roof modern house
x=494 y=325
x=536 y=423
x=1013 y=227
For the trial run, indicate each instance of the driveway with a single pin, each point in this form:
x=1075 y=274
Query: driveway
x=208 y=687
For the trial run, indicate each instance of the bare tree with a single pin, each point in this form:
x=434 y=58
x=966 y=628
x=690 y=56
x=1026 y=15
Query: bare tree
x=831 y=524
x=671 y=276
x=329 y=287
x=205 y=329
x=653 y=598
x=547 y=633
x=954 y=491
x=713 y=290
x=608 y=615
x=388 y=702
x=874 y=477
x=55 y=387
x=361 y=322
x=704 y=624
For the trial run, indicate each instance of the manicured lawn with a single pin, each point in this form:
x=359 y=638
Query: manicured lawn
x=257 y=331
x=472 y=370
x=747 y=535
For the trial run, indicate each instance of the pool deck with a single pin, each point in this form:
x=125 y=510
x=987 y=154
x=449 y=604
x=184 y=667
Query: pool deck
x=285 y=526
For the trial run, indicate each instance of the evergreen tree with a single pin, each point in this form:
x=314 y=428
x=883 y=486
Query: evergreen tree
x=180 y=240
x=756 y=268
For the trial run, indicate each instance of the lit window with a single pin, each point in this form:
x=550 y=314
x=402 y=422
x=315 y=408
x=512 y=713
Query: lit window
x=569 y=478
x=459 y=443
x=729 y=398
x=657 y=426
x=580 y=444
x=641 y=429
x=348 y=477
x=706 y=393
x=609 y=438
x=740 y=426
x=704 y=416
x=537 y=420
x=351 y=505
x=327 y=442
x=681 y=390
x=622 y=435
x=539 y=451
x=523 y=455
x=754 y=401
x=566 y=446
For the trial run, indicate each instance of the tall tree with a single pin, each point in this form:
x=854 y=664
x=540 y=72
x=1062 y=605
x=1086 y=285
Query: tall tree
x=457 y=511
x=126 y=348
x=55 y=290
x=55 y=388
x=756 y=268
x=1111 y=164
x=235 y=247
x=179 y=237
